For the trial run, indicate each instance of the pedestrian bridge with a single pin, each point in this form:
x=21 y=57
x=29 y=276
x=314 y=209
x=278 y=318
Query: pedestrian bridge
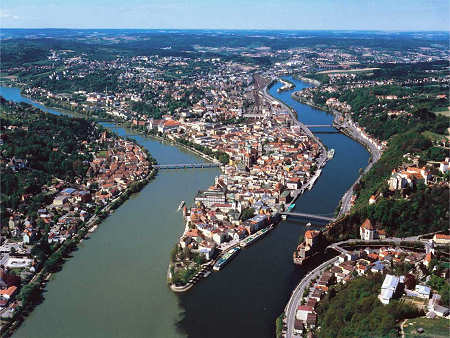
x=309 y=216
x=186 y=165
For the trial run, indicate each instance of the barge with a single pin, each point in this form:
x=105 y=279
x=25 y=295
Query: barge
x=222 y=261
x=252 y=238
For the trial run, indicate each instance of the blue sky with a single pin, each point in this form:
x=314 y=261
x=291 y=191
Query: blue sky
x=228 y=14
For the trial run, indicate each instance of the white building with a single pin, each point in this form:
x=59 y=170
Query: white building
x=388 y=288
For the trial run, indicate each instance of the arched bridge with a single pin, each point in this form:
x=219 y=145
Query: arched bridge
x=309 y=216
x=186 y=165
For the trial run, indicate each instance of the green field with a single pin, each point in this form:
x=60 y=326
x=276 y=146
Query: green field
x=433 y=328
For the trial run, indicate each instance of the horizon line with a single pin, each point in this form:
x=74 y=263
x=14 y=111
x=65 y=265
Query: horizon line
x=237 y=29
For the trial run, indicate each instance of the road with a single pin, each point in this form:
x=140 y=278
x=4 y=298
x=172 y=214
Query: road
x=374 y=151
x=297 y=295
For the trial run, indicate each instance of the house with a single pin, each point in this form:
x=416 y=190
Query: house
x=441 y=311
x=367 y=231
x=168 y=125
x=207 y=248
x=218 y=236
x=311 y=320
x=388 y=289
x=60 y=200
x=299 y=328
x=441 y=239
x=427 y=259
x=8 y=293
x=423 y=291
x=294 y=183
x=443 y=166
x=316 y=294
x=434 y=300
x=397 y=181
x=303 y=311
x=312 y=237
x=377 y=267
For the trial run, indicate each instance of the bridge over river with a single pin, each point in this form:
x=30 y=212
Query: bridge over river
x=309 y=216
x=318 y=125
x=186 y=165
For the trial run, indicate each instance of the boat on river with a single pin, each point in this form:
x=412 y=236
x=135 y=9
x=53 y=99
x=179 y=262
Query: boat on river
x=330 y=154
x=226 y=258
x=291 y=206
x=252 y=238
x=182 y=203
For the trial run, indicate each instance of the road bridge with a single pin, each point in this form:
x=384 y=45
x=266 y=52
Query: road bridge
x=186 y=165
x=327 y=132
x=310 y=216
x=318 y=125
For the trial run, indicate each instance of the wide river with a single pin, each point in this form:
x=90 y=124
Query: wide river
x=115 y=284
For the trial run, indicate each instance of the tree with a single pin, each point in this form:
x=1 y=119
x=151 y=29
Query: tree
x=173 y=253
x=247 y=213
x=187 y=253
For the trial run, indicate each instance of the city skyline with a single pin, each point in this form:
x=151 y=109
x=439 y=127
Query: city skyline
x=416 y=15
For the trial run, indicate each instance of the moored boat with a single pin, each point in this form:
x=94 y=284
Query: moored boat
x=225 y=258
x=330 y=154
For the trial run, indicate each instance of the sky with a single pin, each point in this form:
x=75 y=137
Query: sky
x=391 y=15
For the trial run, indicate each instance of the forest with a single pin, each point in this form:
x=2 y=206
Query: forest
x=353 y=310
x=51 y=146
x=425 y=210
x=415 y=106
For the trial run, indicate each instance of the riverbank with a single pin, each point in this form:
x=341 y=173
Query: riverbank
x=347 y=127
x=306 y=79
x=287 y=85
x=56 y=106
x=39 y=281
x=62 y=246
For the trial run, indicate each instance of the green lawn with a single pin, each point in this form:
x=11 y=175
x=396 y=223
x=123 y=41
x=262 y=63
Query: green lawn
x=433 y=328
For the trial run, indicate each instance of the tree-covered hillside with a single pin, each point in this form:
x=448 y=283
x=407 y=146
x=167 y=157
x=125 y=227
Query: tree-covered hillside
x=38 y=147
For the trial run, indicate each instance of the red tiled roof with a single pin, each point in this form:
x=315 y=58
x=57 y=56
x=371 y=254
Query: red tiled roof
x=9 y=291
x=367 y=225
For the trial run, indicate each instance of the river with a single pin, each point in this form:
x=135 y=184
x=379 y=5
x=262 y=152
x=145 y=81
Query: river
x=115 y=285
